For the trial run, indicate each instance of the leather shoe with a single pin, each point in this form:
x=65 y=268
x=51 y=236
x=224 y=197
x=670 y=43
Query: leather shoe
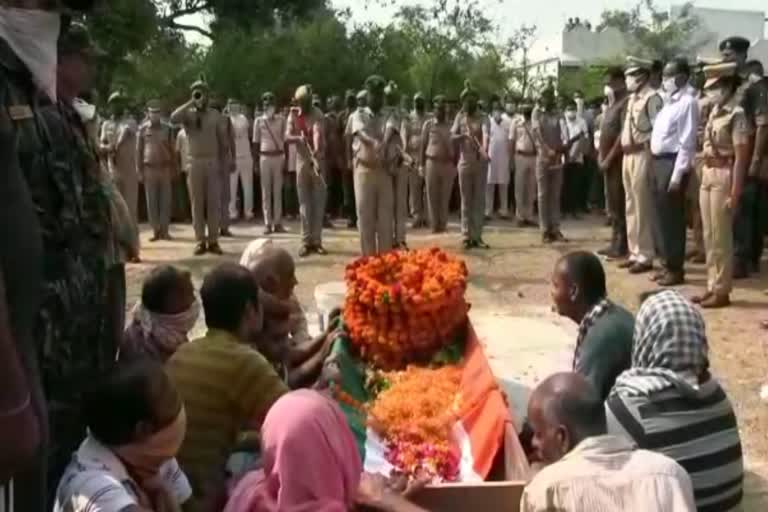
x=304 y=252
x=698 y=299
x=558 y=236
x=625 y=264
x=605 y=252
x=200 y=249
x=481 y=244
x=278 y=228
x=716 y=302
x=740 y=270
x=671 y=279
x=467 y=245
x=215 y=249
x=318 y=249
x=640 y=268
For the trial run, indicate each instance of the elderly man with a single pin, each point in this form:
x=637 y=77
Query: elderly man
x=523 y=146
x=304 y=130
x=411 y=133
x=241 y=133
x=497 y=140
x=673 y=144
x=206 y=144
x=118 y=142
x=643 y=106
x=393 y=161
x=154 y=161
x=269 y=150
x=604 y=341
x=588 y=470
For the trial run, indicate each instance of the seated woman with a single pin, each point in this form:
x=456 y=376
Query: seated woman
x=668 y=402
x=136 y=424
x=311 y=462
x=162 y=320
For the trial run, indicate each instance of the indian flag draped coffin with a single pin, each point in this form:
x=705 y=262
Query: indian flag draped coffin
x=413 y=380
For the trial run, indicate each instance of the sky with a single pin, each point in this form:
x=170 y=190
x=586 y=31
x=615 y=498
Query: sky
x=549 y=16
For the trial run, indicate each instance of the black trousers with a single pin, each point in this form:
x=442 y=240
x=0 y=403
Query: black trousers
x=575 y=188
x=617 y=203
x=348 y=192
x=670 y=226
x=748 y=221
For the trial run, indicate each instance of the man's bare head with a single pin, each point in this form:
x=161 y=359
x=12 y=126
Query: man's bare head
x=564 y=410
x=275 y=272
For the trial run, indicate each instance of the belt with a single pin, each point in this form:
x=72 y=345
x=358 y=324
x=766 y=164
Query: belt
x=665 y=156
x=275 y=152
x=719 y=161
x=442 y=159
x=526 y=153
x=633 y=149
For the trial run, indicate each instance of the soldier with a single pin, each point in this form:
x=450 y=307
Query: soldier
x=524 y=148
x=241 y=133
x=373 y=184
x=393 y=155
x=753 y=96
x=436 y=164
x=227 y=169
x=697 y=254
x=498 y=149
x=304 y=130
x=347 y=181
x=269 y=148
x=411 y=132
x=467 y=132
x=726 y=160
x=643 y=106
x=154 y=159
x=207 y=143
x=551 y=146
x=118 y=142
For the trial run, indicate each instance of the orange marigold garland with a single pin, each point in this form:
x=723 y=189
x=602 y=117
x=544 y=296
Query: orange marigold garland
x=404 y=306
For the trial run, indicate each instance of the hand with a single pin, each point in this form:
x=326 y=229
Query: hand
x=406 y=487
x=754 y=168
x=421 y=171
x=373 y=490
x=732 y=202
x=674 y=187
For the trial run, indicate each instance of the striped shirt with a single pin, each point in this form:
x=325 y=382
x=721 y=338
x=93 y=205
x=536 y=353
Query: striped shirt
x=227 y=387
x=699 y=432
x=607 y=474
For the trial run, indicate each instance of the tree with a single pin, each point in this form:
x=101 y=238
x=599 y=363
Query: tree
x=517 y=49
x=653 y=33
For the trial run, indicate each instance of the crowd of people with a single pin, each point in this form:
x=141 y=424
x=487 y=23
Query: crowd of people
x=237 y=420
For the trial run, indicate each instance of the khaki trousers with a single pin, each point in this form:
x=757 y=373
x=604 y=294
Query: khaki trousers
x=439 y=177
x=127 y=182
x=525 y=186
x=717 y=223
x=473 y=177
x=549 y=180
x=157 y=188
x=694 y=189
x=271 y=178
x=416 y=195
x=204 y=183
x=244 y=175
x=312 y=196
x=400 y=183
x=374 y=198
x=639 y=206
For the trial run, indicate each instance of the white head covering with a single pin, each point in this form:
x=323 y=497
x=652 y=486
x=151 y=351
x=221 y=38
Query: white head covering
x=254 y=251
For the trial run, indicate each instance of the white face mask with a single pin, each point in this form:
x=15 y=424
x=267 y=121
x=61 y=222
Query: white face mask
x=33 y=36
x=270 y=111
x=669 y=85
x=570 y=115
x=609 y=93
x=633 y=84
x=716 y=96
x=754 y=78
x=154 y=117
x=85 y=110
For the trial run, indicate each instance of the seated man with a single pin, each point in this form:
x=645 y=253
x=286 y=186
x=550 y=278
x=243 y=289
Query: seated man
x=604 y=342
x=163 y=318
x=588 y=470
x=136 y=424
x=226 y=384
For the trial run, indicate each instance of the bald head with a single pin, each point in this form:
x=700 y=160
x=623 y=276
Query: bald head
x=564 y=410
x=275 y=272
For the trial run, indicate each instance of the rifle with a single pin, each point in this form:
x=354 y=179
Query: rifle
x=308 y=148
x=478 y=147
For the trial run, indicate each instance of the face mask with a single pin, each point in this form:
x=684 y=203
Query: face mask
x=669 y=85
x=33 y=36
x=85 y=110
x=570 y=115
x=716 y=96
x=509 y=108
x=754 y=78
x=579 y=102
x=609 y=93
x=154 y=117
x=270 y=111
x=633 y=84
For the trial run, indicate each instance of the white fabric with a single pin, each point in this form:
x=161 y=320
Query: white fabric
x=574 y=128
x=241 y=132
x=498 y=150
x=675 y=130
x=244 y=175
x=96 y=480
x=33 y=36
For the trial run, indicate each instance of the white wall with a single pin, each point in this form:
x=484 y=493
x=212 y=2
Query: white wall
x=589 y=46
x=717 y=24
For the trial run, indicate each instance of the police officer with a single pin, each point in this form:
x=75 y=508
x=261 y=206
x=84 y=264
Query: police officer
x=437 y=164
x=347 y=181
x=118 y=142
x=227 y=169
x=411 y=132
x=643 y=106
x=241 y=135
x=393 y=154
x=374 y=193
x=269 y=148
x=154 y=159
x=304 y=130
x=207 y=144
x=467 y=131
x=753 y=97
x=726 y=160
x=524 y=149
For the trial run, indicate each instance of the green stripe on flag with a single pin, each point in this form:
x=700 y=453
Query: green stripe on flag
x=353 y=384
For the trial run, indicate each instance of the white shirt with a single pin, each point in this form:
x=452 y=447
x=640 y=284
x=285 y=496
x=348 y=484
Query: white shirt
x=241 y=129
x=574 y=129
x=607 y=474
x=96 y=481
x=674 y=130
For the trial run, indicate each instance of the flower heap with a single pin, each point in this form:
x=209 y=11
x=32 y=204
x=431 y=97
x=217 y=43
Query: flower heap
x=404 y=306
x=415 y=416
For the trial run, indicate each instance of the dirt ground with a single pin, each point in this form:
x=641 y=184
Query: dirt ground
x=513 y=278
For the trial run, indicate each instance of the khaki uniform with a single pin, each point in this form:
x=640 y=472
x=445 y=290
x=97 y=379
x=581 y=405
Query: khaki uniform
x=374 y=193
x=269 y=138
x=642 y=108
x=611 y=128
x=524 y=147
x=412 y=132
x=120 y=136
x=726 y=128
x=473 y=174
x=399 y=171
x=154 y=154
x=241 y=134
x=228 y=162
x=206 y=144
x=549 y=133
x=694 y=184
x=310 y=185
x=439 y=171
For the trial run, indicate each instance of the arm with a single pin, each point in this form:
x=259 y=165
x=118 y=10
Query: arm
x=456 y=133
x=181 y=114
x=405 y=132
x=256 y=147
x=760 y=149
x=140 y=154
x=424 y=144
x=740 y=136
x=486 y=142
x=291 y=133
x=255 y=388
x=687 y=126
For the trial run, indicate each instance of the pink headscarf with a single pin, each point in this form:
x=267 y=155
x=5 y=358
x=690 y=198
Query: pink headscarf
x=311 y=461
